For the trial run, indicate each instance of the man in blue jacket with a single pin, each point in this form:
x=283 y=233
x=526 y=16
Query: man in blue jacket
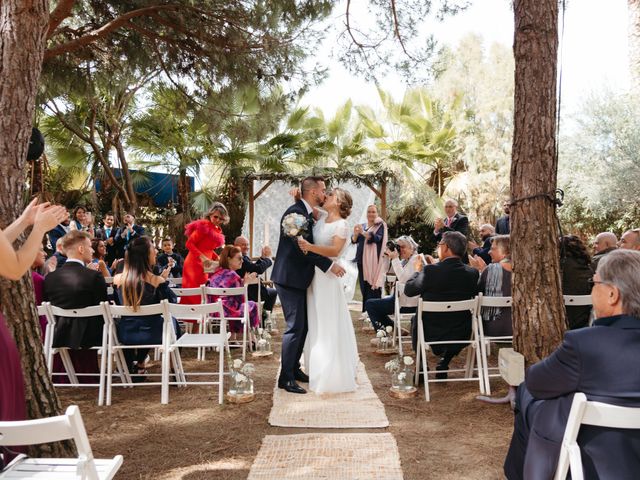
x=600 y=362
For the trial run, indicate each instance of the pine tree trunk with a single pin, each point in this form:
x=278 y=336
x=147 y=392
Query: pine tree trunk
x=538 y=311
x=633 y=9
x=23 y=26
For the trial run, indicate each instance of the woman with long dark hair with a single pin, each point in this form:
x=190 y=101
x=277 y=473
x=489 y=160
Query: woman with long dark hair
x=137 y=286
x=575 y=265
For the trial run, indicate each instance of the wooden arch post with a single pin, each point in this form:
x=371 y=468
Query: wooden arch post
x=382 y=195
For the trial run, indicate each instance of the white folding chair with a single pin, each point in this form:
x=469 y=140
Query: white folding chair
x=188 y=320
x=598 y=414
x=398 y=319
x=42 y=312
x=52 y=312
x=169 y=359
x=109 y=282
x=55 y=429
x=244 y=319
x=473 y=344
x=220 y=341
x=175 y=282
x=485 y=341
x=579 y=301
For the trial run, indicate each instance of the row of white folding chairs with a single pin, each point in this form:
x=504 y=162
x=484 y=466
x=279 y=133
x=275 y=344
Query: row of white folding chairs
x=479 y=343
x=205 y=323
x=111 y=349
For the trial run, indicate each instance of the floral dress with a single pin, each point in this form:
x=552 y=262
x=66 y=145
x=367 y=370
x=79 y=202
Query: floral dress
x=233 y=305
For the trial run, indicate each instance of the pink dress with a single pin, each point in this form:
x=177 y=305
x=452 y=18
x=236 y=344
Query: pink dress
x=233 y=306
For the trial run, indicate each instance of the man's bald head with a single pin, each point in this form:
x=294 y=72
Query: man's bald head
x=243 y=244
x=604 y=241
x=630 y=240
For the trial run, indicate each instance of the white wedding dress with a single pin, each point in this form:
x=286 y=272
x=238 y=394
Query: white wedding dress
x=330 y=350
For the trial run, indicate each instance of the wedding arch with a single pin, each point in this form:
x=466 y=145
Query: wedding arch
x=376 y=181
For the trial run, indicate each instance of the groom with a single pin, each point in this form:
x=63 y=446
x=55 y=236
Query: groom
x=292 y=274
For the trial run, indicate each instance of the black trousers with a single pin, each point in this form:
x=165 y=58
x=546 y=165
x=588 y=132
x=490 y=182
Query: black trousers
x=294 y=307
x=365 y=288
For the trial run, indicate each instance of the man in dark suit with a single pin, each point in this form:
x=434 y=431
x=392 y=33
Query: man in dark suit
x=445 y=281
x=453 y=222
x=502 y=225
x=486 y=234
x=292 y=274
x=267 y=295
x=110 y=234
x=75 y=286
x=129 y=231
x=597 y=361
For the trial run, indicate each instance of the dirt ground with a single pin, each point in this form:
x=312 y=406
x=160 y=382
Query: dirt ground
x=452 y=437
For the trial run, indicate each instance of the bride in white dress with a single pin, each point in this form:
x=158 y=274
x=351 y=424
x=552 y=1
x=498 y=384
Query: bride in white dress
x=331 y=353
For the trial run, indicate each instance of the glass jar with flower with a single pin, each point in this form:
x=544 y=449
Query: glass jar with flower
x=241 y=381
x=401 y=376
x=263 y=343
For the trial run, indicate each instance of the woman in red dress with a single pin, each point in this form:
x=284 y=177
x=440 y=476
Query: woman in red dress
x=203 y=237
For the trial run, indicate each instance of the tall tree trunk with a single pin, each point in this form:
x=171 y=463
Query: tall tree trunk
x=538 y=311
x=126 y=176
x=235 y=198
x=633 y=33
x=23 y=27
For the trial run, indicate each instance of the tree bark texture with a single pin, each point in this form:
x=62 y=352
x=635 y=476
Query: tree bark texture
x=538 y=310
x=23 y=27
x=633 y=33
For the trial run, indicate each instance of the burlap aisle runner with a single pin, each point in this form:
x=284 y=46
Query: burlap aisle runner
x=356 y=456
x=359 y=409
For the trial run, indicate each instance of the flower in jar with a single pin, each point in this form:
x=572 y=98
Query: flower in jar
x=407 y=360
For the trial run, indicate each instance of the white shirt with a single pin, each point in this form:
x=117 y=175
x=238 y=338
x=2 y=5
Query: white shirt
x=70 y=260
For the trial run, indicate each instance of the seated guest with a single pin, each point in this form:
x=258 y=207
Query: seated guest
x=99 y=254
x=486 y=235
x=495 y=281
x=169 y=258
x=59 y=231
x=605 y=242
x=596 y=361
x=129 y=231
x=267 y=295
x=137 y=286
x=447 y=280
x=453 y=222
x=226 y=277
x=403 y=264
x=75 y=286
x=575 y=265
x=370 y=239
x=110 y=234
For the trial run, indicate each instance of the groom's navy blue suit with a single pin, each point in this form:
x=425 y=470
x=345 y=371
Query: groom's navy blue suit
x=292 y=274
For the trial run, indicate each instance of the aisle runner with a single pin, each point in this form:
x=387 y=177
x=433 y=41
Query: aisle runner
x=362 y=456
x=359 y=409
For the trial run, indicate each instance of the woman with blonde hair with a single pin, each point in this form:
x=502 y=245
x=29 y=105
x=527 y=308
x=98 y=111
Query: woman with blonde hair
x=203 y=237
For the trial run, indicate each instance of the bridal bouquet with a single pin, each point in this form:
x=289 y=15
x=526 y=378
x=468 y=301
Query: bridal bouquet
x=294 y=225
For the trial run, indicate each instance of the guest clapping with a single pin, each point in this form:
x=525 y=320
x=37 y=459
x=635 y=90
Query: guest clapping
x=495 y=281
x=403 y=261
x=99 y=255
x=169 y=258
x=129 y=231
x=370 y=238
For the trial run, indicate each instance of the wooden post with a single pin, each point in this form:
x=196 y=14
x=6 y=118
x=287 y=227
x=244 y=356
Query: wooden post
x=383 y=199
x=251 y=202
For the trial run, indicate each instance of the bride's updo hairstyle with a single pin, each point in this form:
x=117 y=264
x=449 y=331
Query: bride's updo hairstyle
x=344 y=201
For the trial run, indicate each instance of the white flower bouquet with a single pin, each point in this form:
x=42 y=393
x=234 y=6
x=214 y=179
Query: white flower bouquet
x=295 y=225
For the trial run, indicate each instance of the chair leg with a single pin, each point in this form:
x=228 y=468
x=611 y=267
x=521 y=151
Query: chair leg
x=164 y=389
x=485 y=366
x=427 y=394
x=221 y=374
x=68 y=366
x=109 y=370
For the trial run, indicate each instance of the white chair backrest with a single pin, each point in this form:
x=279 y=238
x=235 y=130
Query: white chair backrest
x=53 y=429
x=597 y=414
x=93 y=311
x=143 y=310
x=189 y=292
x=577 y=300
x=177 y=281
x=179 y=311
x=42 y=309
x=108 y=280
x=456 y=306
x=486 y=301
x=222 y=292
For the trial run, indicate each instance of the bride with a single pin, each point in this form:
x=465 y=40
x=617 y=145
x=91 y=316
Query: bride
x=331 y=353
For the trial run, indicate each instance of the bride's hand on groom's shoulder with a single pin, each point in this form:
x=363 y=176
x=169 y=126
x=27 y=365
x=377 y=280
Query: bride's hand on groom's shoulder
x=295 y=193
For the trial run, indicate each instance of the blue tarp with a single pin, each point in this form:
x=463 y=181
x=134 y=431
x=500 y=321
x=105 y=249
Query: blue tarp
x=161 y=187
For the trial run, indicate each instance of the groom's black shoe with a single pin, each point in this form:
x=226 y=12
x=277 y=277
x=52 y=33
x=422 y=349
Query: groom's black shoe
x=291 y=387
x=300 y=376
